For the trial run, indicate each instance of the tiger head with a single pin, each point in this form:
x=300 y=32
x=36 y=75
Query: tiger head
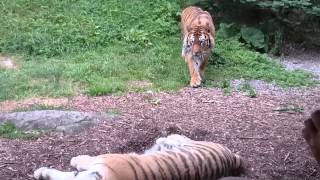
x=198 y=44
x=199 y=40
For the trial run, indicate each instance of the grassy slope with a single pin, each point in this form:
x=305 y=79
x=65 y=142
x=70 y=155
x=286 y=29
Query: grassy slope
x=69 y=47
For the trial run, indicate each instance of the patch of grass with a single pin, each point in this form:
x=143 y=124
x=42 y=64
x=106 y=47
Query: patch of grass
x=112 y=112
x=35 y=107
x=237 y=61
x=250 y=91
x=290 y=108
x=96 y=47
x=150 y=98
x=155 y=101
x=54 y=27
x=223 y=84
x=9 y=130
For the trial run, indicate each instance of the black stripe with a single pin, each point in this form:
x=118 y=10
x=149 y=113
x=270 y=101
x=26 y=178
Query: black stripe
x=216 y=169
x=228 y=156
x=186 y=167
x=206 y=168
x=132 y=167
x=222 y=161
x=162 y=172
x=154 y=176
x=145 y=175
x=168 y=165
x=174 y=163
x=221 y=171
x=200 y=162
x=196 y=15
x=225 y=168
x=204 y=165
x=195 y=166
x=231 y=158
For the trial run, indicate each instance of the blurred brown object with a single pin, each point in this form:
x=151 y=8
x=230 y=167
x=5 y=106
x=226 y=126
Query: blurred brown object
x=311 y=133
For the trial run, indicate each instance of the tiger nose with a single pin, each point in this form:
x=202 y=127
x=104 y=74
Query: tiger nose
x=198 y=53
x=196 y=50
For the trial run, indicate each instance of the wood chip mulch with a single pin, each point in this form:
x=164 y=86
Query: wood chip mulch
x=267 y=135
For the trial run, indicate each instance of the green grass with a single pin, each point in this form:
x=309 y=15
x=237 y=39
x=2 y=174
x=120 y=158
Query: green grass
x=112 y=112
x=64 y=48
x=35 y=107
x=8 y=130
x=290 y=108
x=233 y=60
x=250 y=91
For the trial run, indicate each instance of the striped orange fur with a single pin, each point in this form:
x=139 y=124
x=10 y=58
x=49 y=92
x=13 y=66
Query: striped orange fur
x=172 y=158
x=198 y=33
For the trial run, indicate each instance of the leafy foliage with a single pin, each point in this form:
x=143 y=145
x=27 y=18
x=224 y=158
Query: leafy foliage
x=279 y=20
x=228 y=30
x=307 y=6
x=253 y=36
x=250 y=35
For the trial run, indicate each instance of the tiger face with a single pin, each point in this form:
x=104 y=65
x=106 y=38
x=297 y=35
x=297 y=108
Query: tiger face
x=198 y=45
x=198 y=40
x=172 y=157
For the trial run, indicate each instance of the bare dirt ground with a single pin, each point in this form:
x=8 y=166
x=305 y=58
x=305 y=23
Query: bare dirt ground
x=260 y=129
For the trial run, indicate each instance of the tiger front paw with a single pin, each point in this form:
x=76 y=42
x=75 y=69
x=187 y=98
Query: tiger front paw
x=41 y=174
x=195 y=82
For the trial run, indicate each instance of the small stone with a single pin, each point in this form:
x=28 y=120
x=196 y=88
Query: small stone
x=7 y=63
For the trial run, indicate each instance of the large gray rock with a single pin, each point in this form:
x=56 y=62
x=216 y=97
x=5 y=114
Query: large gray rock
x=65 y=121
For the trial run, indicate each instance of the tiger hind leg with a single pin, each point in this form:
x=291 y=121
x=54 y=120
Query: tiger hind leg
x=45 y=173
x=82 y=163
x=194 y=73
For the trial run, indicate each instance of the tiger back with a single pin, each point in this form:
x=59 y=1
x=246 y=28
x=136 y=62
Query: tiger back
x=193 y=160
x=174 y=157
x=198 y=33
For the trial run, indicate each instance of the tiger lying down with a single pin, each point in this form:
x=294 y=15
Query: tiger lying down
x=172 y=157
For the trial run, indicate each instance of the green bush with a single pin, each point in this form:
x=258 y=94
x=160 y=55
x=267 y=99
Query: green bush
x=279 y=20
x=254 y=37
